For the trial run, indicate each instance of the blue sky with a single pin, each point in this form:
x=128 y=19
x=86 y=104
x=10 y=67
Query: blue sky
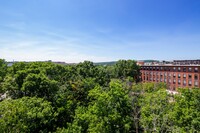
x=99 y=30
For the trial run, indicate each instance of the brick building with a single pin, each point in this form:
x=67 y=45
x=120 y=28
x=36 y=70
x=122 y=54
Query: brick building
x=175 y=76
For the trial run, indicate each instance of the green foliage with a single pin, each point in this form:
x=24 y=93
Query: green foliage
x=70 y=96
x=155 y=112
x=3 y=71
x=127 y=68
x=30 y=79
x=109 y=111
x=91 y=98
x=26 y=115
x=88 y=70
x=187 y=111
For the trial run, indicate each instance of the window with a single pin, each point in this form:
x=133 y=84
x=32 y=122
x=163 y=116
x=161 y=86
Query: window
x=189 y=69
x=184 y=69
x=184 y=75
x=170 y=74
x=196 y=69
x=196 y=83
x=189 y=82
x=179 y=69
x=174 y=75
x=184 y=82
x=174 y=81
x=169 y=80
x=196 y=77
x=174 y=68
x=179 y=75
x=189 y=76
x=165 y=80
x=179 y=81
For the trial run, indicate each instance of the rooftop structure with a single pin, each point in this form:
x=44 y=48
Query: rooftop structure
x=174 y=62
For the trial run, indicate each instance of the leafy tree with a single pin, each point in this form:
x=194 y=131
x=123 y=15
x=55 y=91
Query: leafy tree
x=155 y=112
x=103 y=78
x=86 y=69
x=26 y=115
x=32 y=81
x=110 y=70
x=3 y=71
x=127 y=68
x=186 y=114
x=17 y=67
x=109 y=111
x=156 y=108
x=69 y=97
x=39 y=85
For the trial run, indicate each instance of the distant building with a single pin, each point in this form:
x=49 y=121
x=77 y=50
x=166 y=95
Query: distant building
x=174 y=75
x=147 y=62
x=140 y=63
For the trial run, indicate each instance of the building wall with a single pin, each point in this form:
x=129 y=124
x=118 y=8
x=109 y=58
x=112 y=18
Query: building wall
x=174 y=76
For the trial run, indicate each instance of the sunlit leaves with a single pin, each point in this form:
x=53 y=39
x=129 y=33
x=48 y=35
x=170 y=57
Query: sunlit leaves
x=26 y=115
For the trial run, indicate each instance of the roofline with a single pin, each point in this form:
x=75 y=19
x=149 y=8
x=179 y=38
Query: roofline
x=170 y=65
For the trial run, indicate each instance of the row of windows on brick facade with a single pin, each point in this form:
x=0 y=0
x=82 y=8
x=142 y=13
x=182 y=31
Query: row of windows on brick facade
x=196 y=83
x=170 y=75
x=184 y=69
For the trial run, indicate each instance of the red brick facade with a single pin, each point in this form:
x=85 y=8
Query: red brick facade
x=173 y=75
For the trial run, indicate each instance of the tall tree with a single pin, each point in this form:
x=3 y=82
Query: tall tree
x=26 y=115
x=156 y=109
x=3 y=71
x=127 y=68
x=186 y=114
x=109 y=111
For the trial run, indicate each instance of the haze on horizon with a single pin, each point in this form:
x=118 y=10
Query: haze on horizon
x=99 y=30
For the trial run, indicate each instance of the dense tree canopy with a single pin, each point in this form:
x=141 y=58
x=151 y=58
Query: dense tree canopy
x=26 y=115
x=109 y=111
x=84 y=97
x=127 y=68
